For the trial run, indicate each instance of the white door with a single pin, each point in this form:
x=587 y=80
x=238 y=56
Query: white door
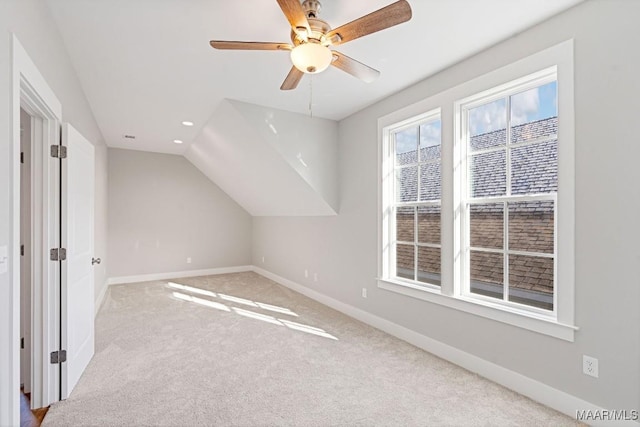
x=77 y=271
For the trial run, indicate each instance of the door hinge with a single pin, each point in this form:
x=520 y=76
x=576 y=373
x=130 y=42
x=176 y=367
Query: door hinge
x=58 y=254
x=58 y=151
x=22 y=250
x=22 y=342
x=58 y=356
x=21 y=157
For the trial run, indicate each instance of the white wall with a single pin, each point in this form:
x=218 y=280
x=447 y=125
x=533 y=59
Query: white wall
x=30 y=20
x=250 y=153
x=163 y=210
x=308 y=144
x=342 y=250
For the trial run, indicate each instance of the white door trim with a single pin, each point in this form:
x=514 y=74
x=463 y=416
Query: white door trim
x=29 y=88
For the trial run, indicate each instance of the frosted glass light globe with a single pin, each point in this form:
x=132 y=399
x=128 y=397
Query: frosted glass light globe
x=311 y=58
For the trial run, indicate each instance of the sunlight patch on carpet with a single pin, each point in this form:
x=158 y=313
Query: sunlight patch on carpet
x=243 y=312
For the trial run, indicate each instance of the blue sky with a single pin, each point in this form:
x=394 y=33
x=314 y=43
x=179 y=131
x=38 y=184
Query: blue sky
x=528 y=106
x=430 y=135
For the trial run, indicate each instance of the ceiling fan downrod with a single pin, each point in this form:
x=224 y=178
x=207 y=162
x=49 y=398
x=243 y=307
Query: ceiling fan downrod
x=311 y=8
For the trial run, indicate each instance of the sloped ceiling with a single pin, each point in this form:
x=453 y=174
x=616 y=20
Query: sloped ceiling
x=271 y=162
x=146 y=66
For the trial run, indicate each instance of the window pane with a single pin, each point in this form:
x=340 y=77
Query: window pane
x=487 y=225
x=405 y=261
x=430 y=181
x=488 y=174
x=405 y=224
x=407 y=146
x=534 y=113
x=531 y=281
x=487 y=272
x=430 y=137
x=429 y=224
x=534 y=168
x=488 y=125
x=429 y=265
x=531 y=226
x=407 y=184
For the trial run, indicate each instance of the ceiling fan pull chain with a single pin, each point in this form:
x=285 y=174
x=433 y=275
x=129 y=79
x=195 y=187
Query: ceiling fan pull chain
x=311 y=96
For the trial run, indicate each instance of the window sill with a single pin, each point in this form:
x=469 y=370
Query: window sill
x=508 y=315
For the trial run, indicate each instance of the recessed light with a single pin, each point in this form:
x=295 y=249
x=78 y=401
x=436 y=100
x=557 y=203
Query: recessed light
x=186 y=123
x=177 y=141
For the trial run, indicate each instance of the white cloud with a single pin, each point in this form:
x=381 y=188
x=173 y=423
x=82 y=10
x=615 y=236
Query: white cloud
x=524 y=105
x=492 y=116
x=430 y=134
x=488 y=117
x=407 y=140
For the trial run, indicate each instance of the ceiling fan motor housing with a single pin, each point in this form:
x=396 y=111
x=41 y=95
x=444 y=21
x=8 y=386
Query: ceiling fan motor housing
x=318 y=30
x=318 y=26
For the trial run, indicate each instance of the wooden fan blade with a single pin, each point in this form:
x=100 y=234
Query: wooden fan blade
x=292 y=79
x=353 y=67
x=223 y=44
x=394 y=14
x=295 y=15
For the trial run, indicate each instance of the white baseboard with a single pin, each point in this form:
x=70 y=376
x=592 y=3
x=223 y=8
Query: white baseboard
x=100 y=298
x=177 y=274
x=548 y=396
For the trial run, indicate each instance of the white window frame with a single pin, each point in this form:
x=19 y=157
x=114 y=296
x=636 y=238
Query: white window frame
x=425 y=118
x=560 y=323
x=462 y=107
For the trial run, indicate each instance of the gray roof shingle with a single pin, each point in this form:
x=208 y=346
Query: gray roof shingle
x=533 y=167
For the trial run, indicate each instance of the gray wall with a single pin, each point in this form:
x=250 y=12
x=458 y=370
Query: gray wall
x=342 y=250
x=31 y=21
x=163 y=210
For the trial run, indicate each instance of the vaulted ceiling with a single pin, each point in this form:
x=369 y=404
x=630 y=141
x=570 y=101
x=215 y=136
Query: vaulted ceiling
x=146 y=65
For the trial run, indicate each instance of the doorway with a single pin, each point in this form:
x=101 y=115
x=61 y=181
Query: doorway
x=59 y=306
x=30 y=92
x=39 y=229
x=57 y=309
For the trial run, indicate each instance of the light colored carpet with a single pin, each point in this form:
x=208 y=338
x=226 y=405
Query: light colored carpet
x=241 y=350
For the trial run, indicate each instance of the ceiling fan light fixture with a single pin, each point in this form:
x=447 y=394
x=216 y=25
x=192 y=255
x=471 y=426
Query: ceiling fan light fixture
x=311 y=58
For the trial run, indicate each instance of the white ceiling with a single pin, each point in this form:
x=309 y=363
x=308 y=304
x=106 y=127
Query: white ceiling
x=146 y=65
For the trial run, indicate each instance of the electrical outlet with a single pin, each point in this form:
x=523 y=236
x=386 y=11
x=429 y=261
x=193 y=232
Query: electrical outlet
x=263 y=260
x=315 y=277
x=306 y=273
x=590 y=366
x=189 y=260
x=364 y=292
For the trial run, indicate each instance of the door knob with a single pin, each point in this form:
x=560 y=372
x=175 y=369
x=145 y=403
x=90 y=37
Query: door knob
x=95 y=261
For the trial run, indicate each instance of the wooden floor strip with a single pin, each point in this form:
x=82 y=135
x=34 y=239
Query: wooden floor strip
x=28 y=417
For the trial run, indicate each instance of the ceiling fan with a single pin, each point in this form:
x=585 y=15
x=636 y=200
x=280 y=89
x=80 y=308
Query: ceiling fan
x=311 y=38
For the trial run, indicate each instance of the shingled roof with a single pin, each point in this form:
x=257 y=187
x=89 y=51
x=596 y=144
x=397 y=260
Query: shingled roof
x=533 y=167
x=531 y=224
